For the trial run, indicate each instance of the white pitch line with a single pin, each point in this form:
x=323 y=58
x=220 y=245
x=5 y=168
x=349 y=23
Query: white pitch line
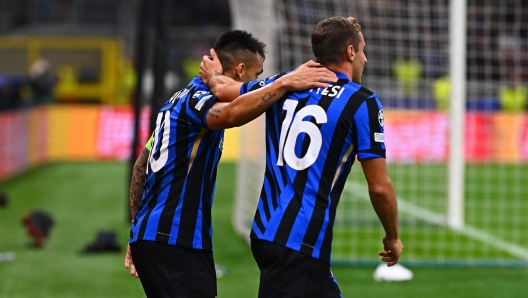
x=435 y=218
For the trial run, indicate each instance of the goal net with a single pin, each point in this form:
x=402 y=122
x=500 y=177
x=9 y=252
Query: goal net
x=409 y=49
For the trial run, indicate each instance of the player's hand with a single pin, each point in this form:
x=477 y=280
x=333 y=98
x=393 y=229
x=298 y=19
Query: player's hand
x=129 y=264
x=210 y=66
x=307 y=76
x=393 y=249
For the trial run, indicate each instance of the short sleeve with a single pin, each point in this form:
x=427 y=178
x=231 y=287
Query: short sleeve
x=199 y=103
x=369 y=124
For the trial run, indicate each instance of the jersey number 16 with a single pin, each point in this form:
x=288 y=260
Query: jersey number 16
x=298 y=126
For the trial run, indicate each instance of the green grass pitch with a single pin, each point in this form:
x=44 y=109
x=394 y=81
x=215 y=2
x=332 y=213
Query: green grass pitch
x=87 y=197
x=496 y=214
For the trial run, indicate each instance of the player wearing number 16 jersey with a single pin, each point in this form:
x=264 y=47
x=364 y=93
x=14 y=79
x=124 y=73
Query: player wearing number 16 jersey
x=312 y=140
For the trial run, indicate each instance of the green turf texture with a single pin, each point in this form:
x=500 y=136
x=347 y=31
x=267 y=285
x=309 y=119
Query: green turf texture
x=495 y=203
x=87 y=197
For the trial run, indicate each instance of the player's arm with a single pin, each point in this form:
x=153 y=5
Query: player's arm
x=251 y=105
x=307 y=76
x=137 y=185
x=383 y=199
x=225 y=88
x=245 y=108
x=370 y=136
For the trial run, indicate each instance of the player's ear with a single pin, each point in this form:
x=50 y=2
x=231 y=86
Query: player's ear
x=240 y=68
x=351 y=53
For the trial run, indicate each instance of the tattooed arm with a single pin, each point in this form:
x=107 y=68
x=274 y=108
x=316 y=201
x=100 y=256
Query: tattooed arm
x=307 y=76
x=251 y=105
x=243 y=109
x=137 y=184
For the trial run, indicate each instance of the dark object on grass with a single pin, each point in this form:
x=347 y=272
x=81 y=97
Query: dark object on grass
x=38 y=225
x=3 y=199
x=105 y=241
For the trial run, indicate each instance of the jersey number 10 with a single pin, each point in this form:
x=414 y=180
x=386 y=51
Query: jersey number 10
x=157 y=164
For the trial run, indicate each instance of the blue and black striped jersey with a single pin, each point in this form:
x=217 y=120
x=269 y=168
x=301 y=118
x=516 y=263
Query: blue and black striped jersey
x=312 y=140
x=181 y=174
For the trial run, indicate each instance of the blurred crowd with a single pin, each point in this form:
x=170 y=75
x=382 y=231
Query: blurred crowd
x=408 y=45
x=407 y=40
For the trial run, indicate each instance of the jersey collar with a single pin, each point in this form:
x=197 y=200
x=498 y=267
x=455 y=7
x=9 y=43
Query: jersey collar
x=196 y=80
x=341 y=75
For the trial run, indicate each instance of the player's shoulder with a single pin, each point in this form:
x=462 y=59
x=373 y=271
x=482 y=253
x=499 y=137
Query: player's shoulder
x=276 y=76
x=359 y=91
x=256 y=84
x=272 y=78
x=197 y=86
x=195 y=90
x=199 y=96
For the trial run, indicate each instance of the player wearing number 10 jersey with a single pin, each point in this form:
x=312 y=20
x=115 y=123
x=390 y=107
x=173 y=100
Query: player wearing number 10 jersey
x=312 y=140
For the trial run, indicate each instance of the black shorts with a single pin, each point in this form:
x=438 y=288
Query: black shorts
x=173 y=271
x=287 y=273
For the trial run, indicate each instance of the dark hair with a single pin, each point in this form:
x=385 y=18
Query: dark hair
x=236 y=46
x=332 y=36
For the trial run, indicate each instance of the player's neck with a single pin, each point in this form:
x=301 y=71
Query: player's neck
x=345 y=68
x=232 y=75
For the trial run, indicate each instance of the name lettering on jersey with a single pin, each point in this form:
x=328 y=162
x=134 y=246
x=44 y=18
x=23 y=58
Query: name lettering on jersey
x=331 y=90
x=381 y=119
x=200 y=104
x=179 y=95
x=379 y=137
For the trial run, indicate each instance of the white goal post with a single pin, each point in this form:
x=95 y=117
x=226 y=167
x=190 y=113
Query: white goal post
x=255 y=17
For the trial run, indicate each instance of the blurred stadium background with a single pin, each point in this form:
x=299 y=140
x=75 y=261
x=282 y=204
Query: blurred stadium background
x=79 y=79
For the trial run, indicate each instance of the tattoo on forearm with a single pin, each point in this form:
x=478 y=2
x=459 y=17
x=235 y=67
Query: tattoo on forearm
x=214 y=113
x=266 y=97
x=137 y=185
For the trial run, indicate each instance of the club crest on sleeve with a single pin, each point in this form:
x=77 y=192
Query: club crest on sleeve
x=379 y=137
x=200 y=104
x=380 y=118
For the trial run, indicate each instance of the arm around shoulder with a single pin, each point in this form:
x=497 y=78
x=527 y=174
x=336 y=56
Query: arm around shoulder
x=244 y=108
